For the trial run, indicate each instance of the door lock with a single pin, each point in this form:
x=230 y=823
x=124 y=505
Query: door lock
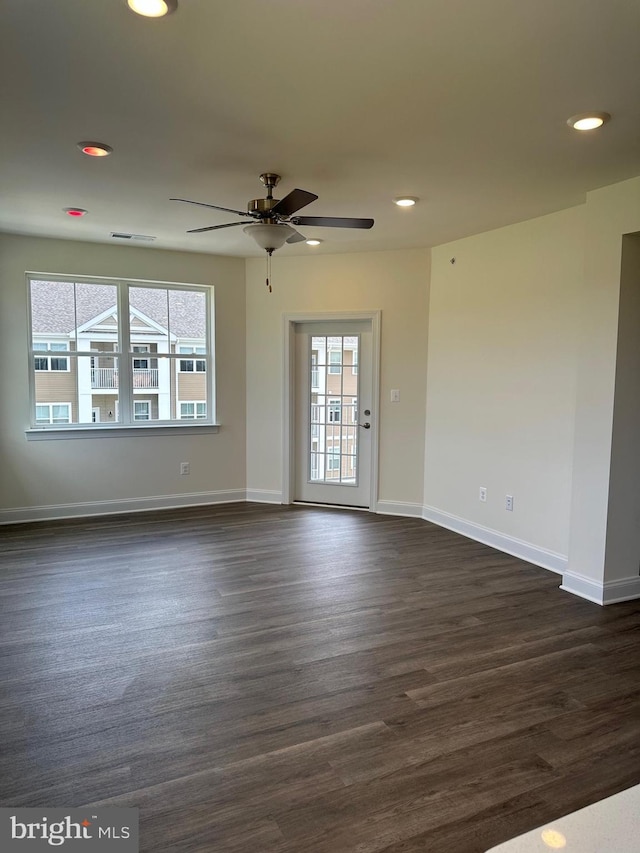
x=366 y=425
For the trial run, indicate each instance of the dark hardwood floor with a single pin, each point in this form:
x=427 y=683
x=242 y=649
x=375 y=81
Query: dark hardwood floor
x=306 y=680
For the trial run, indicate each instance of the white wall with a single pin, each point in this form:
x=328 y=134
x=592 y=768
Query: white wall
x=501 y=382
x=622 y=555
x=611 y=212
x=397 y=284
x=40 y=474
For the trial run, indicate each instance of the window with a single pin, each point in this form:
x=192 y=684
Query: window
x=335 y=361
x=333 y=460
x=53 y=413
x=142 y=410
x=141 y=363
x=335 y=411
x=354 y=362
x=192 y=365
x=193 y=410
x=113 y=347
x=55 y=363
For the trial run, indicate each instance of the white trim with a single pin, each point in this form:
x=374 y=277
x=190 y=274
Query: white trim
x=264 y=496
x=624 y=589
x=117 y=507
x=289 y=322
x=410 y=510
x=106 y=430
x=509 y=544
x=610 y=592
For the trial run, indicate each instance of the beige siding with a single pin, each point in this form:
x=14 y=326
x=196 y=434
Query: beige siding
x=192 y=386
x=106 y=403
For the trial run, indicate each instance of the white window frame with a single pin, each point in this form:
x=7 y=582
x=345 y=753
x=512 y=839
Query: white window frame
x=354 y=362
x=125 y=423
x=50 y=407
x=195 y=404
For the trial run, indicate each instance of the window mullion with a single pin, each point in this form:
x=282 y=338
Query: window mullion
x=210 y=362
x=125 y=385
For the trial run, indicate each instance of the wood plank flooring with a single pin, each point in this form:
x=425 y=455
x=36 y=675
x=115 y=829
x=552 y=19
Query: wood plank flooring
x=266 y=679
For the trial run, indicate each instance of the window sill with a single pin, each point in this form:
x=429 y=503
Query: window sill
x=115 y=431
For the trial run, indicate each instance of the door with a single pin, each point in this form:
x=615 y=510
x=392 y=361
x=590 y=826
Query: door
x=333 y=416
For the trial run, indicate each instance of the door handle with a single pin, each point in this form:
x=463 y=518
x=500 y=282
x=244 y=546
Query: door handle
x=366 y=425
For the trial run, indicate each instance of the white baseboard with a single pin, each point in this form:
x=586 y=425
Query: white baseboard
x=263 y=496
x=396 y=508
x=78 y=510
x=509 y=544
x=610 y=592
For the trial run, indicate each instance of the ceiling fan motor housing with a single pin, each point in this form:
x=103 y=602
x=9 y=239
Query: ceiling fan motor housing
x=261 y=206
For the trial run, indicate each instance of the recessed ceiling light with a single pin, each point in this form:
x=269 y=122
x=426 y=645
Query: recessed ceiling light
x=313 y=242
x=75 y=211
x=153 y=8
x=95 y=149
x=405 y=200
x=588 y=121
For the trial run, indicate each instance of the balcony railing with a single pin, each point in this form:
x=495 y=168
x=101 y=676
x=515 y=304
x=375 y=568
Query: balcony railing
x=107 y=377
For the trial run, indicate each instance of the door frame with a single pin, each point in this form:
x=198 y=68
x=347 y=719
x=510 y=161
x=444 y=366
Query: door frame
x=289 y=323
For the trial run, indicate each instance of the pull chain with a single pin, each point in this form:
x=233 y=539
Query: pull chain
x=269 y=253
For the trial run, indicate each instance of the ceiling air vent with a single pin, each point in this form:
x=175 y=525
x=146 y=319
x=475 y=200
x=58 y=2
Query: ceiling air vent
x=140 y=238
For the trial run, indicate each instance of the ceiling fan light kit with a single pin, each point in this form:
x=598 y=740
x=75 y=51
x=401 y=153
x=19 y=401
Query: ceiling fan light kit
x=276 y=218
x=269 y=237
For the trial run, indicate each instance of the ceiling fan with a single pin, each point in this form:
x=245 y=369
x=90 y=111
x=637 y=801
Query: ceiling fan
x=272 y=220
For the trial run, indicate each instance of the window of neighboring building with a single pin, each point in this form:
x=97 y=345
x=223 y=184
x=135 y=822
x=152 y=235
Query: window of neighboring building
x=335 y=361
x=142 y=410
x=335 y=411
x=193 y=410
x=53 y=413
x=140 y=363
x=50 y=362
x=354 y=362
x=110 y=342
x=192 y=365
x=333 y=460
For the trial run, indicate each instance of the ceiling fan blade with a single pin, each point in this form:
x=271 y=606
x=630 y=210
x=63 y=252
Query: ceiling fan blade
x=293 y=201
x=296 y=237
x=332 y=221
x=214 y=206
x=214 y=227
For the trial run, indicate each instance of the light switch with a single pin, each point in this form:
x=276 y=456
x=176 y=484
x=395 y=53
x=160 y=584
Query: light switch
x=395 y=395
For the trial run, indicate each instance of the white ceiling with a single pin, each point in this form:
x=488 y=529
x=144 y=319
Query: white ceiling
x=460 y=102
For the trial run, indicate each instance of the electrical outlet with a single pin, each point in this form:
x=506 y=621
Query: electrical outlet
x=185 y=468
x=483 y=494
x=508 y=504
